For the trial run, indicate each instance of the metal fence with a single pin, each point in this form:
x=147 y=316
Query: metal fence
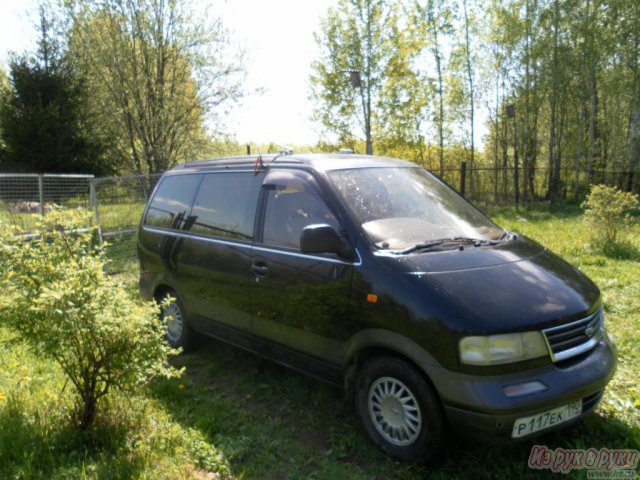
x=33 y=193
x=116 y=202
x=510 y=186
x=118 y=206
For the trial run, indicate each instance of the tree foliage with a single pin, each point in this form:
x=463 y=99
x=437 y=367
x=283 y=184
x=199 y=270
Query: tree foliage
x=366 y=36
x=58 y=298
x=606 y=209
x=571 y=70
x=557 y=84
x=44 y=120
x=156 y=73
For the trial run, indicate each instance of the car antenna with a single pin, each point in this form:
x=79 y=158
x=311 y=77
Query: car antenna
x=284 y=151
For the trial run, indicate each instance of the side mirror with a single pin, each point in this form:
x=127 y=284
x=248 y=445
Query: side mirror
x=323 y=238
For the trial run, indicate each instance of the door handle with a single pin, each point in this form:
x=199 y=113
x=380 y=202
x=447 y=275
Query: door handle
x=259 y=270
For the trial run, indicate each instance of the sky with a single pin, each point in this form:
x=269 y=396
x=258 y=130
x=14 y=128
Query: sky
x=16 y=27
x=278 y=38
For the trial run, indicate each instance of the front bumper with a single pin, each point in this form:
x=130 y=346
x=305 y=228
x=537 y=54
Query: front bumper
x=477 y=405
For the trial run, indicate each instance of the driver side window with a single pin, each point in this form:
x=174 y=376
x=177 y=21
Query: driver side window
x=292 y=205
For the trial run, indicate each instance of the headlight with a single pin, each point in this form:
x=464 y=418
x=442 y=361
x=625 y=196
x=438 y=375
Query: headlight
x=505 y=348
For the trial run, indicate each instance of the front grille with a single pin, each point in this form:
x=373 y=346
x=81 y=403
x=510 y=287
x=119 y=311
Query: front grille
x=573 y=338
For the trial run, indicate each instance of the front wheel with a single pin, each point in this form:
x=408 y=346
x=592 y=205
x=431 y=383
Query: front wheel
x=399 y=410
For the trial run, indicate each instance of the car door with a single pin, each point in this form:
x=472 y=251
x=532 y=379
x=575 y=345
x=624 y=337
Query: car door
x=299 y=302
x=216 y=254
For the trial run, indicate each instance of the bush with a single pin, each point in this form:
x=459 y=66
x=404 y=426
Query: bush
x=607 y=209
x=57 y=297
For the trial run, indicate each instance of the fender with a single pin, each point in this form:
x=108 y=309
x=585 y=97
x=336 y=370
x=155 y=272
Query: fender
x=165 y=279
x=377 y=337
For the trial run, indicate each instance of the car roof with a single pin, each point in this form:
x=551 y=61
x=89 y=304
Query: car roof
x=316 y=161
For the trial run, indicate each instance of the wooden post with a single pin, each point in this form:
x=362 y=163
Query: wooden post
x=93 y=205
x=463 y=177
x=41 y=194
x=248 y=149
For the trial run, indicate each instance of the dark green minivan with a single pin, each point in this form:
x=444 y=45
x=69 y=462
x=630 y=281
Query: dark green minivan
x=372 y=274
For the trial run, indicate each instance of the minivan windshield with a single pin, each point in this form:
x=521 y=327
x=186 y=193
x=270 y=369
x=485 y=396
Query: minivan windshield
x=403 y=207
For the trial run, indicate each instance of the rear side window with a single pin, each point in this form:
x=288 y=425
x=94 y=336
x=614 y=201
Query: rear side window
x=170 y=205
x=226 y=204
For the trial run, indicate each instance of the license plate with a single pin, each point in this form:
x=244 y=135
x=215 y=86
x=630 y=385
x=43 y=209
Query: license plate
x=525 y=426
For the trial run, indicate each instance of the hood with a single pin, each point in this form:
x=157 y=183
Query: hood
x=507 y=287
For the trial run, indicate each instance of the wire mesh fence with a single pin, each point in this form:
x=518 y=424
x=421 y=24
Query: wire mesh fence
x=510 y=186
x=117 y=203
x=25 y=196
x=118 y=207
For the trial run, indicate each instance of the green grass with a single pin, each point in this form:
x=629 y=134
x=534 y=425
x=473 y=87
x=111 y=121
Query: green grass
x=25 y=221
x=120 y=216
x=616 y=270
x=236 y=415
x=114 y=216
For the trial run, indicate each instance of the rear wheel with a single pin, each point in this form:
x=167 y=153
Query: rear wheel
x=178 y=331
x=399 y=410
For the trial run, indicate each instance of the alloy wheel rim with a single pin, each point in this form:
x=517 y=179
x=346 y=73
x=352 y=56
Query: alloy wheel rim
x=394 y=411
x=173 y=320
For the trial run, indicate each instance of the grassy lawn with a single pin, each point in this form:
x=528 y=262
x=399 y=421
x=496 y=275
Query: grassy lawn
x=113 y=216
x=23 y=220
x=120 y=216
x=233 y=415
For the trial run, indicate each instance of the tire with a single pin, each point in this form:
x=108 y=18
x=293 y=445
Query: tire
x=399 y=410
x=178 y=332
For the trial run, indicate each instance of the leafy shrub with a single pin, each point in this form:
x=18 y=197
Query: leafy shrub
x=607 y=209
x=57 y=297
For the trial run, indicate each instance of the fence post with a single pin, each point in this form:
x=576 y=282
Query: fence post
x=144 y=178
x=41 y=193
x=93 y=205
x=463 y=177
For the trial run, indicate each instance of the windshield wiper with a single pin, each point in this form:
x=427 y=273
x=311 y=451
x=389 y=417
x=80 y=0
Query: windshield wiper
x=440 y=241
x=508 y=236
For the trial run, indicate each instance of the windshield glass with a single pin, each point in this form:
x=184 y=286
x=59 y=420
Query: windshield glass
x=401 y=207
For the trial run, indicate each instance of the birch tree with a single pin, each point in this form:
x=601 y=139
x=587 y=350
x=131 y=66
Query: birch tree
x=363 y=83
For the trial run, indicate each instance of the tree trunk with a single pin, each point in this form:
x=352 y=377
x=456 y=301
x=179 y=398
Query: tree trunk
x=471 y=96
x=437 y=56
x=634 y=123
x=367 y=109
x=634 y=141
x=579 y=153
x=592 y=147
x=88 y=407
x=505 y=153
x=527 y=104
x=496 y=126
x=554 y=173
x=441 y=114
